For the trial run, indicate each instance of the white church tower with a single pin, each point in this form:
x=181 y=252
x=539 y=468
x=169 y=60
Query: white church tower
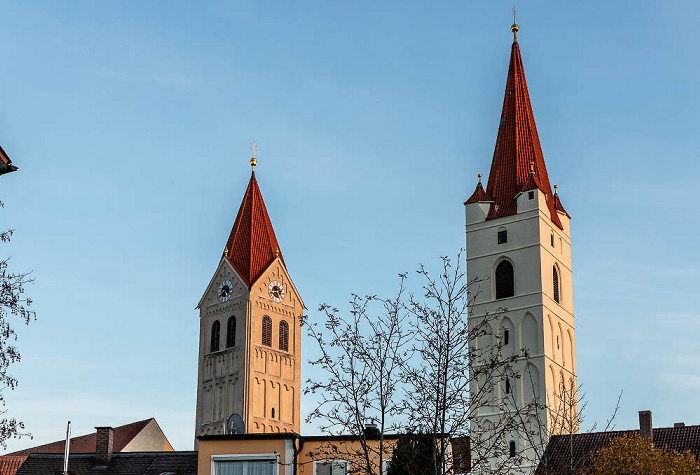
x=519 y=247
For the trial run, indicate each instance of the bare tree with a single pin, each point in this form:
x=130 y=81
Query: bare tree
x=13 y=304
x=361 y=358
x=459 y=370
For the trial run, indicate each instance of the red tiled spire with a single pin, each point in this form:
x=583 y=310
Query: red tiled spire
x=517 y=146
x=478 y=195
x=252 y=245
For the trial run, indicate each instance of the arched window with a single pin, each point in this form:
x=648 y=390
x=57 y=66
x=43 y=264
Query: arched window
x=505 y=283
x=215 y=334
x=284 y=336
x=267 y=331
x=555 y=282
x=231 y=332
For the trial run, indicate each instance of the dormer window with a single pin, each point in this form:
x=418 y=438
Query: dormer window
x=502 y=236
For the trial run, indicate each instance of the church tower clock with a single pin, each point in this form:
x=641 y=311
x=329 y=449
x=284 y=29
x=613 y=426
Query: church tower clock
x=519 y=249
x=249 y=339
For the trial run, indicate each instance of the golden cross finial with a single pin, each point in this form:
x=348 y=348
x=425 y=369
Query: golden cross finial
x=254 y=148
x=226 y=251
x=532 y=168
x=555 y=189
x=515 y=27
x=514 y=17
x=479 y=176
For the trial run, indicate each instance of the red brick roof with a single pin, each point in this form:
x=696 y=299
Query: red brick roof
x=10 y=464
x=85 y=444
x=478 y=195
x=517 y=146
x=252 y=245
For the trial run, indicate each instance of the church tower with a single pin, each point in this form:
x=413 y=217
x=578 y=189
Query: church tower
x=519 y=252
x=249 y=376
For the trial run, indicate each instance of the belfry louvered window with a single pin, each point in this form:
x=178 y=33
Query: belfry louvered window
x=215 y=335
x=555 y=282
x=284 y=336
x=505 y=281
x=267 y=331
x=231 y=332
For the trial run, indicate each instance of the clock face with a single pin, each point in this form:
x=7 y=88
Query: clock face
x=225 y=289
x=276 y=291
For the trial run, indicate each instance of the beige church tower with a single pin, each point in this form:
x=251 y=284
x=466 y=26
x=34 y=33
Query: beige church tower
x=249 y=339
x=519 y=248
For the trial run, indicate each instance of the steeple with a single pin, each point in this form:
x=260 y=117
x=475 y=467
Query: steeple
x=252 y=244
x=517 y=147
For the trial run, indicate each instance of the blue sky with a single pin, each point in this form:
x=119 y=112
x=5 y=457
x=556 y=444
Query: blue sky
x=131 y=123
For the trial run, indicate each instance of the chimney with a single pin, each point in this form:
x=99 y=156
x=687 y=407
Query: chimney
x=103 y=445
x=371 y=431
x=678 y=424
x=645 y=425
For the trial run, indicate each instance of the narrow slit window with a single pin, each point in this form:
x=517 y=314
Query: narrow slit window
x=511 y=448
x=273 y=412
x=505 y=282
x=555 y=283
x=284 y=336
x=506 y=336
x=231 y=332
x=551 y=239
x=507 y=386
x=502 y=236
x=267 y=331
x=215 y=335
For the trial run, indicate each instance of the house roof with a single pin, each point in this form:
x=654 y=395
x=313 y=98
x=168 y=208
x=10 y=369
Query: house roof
x=85 y=444
x=6 y=165
x=562 y=449
x=517 y=148
x=125 y=463
x=9 y=464
x=252 y=244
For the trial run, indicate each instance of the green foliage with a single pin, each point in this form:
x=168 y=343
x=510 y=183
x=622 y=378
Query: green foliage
x=413 y=455
x=634 y=455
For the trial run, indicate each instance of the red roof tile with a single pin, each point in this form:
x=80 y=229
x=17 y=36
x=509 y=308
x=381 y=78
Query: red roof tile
x=558 y=206
x=252 y=245
x=10 y=464
x=517 y=146
x=85 y=444
x=6 y=165
x=478 y=195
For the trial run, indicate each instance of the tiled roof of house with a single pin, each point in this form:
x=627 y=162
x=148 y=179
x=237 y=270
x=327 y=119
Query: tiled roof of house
x=10 y=464
x=252 y=245
x=558 y=206
x=517 y=146
x=478 y=195
x=85 y=444
x=125 y=463
x=6 y=165
x=562 y=449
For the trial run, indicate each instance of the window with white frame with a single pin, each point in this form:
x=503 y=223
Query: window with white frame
x=331 y=467
x=244 y=465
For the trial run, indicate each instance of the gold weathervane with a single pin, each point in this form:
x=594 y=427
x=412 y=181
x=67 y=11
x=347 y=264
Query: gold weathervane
x=254 y=148
x=515 y=27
